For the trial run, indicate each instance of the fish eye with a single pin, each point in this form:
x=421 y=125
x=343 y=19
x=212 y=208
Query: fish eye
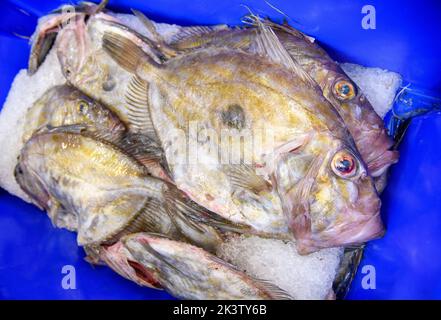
x=344 y=164
x=344 y=90
x=83 y=107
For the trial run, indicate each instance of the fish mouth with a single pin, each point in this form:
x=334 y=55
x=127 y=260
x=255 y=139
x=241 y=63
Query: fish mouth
x=356 y=224
x=73 y=35
x=376 y=150
x=40 y=199
x=379 y=165
x=351 y=234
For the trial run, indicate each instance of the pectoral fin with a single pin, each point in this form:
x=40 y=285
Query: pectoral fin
x=148 y=152
x=244 y=176
x=138 y=111
x=129 y=55
x=190 y=211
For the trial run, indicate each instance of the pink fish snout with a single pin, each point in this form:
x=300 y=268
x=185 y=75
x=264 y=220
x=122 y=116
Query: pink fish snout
x=354 y=224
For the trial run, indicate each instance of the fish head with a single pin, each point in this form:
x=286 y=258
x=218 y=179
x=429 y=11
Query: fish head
x=364 y=124
x=361 y=119
x=46 y=34
x=78 y=45
x=120 y=260
x=30 y=183
x=73 y=47
x=69 y=106
x=83 y=62
x=328 y=197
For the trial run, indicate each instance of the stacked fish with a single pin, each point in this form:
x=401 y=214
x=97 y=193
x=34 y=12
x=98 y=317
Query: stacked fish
x=156 y=151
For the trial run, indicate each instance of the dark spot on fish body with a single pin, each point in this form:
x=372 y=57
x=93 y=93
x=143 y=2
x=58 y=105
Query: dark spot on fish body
x=233 y=116
x=55 y=179
x=66 y=182
x=109 y=83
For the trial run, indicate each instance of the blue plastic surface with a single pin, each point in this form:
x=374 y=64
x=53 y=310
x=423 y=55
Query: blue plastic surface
x=406 y=40
x=407 y=260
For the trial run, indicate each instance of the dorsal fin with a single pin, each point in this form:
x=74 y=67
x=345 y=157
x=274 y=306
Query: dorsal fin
x=148 y=24
x=139 y=144
x=101 y=6
x=196 y=31
x=142 y=141
x=83 y=129
x=105 y=135
x=285 y=27
x=158 y=40
x=268 y=45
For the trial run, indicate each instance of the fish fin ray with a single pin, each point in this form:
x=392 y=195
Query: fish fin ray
x=138 y=112
x=104 y=136
x=83 y=129
x=254 y=21
x=274 y=291
x=100 y=7
x=268 y=44
x=195 y=31
x=166 y=51
x=244 y=176
x=41 y=47
x=148 y=152
x=191 y=212
x=148 y=24
x=149 y=218
x=155 y=254
x=71 y=128
x=124 y=51
x=192 y=229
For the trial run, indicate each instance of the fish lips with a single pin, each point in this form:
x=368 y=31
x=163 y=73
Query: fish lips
x=357 y=230
x=378 y=166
